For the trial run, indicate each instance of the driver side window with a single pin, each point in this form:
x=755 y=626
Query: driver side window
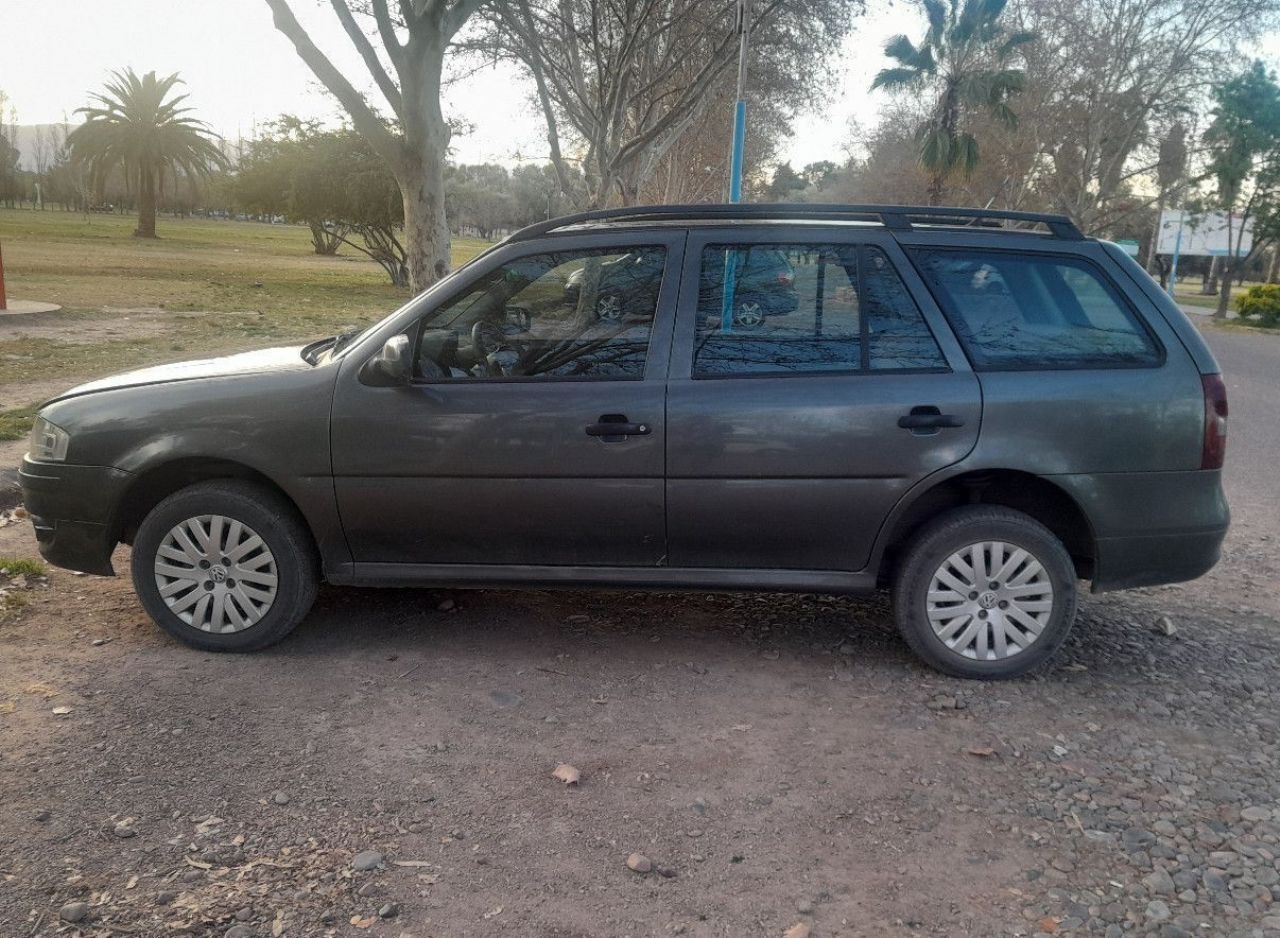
x=564 y=314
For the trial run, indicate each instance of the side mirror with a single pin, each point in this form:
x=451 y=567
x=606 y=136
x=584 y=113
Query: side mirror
x=393 y=365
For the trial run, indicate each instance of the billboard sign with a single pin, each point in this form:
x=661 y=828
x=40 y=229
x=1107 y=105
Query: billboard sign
x=1201 y=234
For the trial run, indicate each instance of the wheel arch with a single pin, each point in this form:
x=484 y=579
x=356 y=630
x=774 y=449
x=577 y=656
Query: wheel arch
x=158 y=482
x=1033 y=495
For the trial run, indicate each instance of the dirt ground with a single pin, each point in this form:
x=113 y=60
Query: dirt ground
x=779 y=760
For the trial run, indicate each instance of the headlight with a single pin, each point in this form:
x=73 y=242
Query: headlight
x=49 y=442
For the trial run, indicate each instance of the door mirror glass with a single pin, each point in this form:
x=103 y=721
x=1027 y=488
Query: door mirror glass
x=393 y=365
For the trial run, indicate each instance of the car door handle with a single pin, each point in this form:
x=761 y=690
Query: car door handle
x=928 y=418
x=614 y=427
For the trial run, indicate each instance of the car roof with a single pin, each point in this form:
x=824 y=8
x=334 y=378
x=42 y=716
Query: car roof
x=894 y=218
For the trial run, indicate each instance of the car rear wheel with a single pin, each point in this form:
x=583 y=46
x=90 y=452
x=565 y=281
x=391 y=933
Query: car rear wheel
x=749 y=314
x=985 y=592
x=609 y=308
x=225 y=566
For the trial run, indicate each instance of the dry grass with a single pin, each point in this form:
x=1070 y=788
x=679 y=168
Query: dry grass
x=251 y=284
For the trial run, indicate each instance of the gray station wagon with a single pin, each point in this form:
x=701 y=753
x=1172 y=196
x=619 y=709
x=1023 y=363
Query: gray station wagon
x=975 y=409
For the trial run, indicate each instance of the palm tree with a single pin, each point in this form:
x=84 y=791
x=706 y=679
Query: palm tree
x=132 y=126
x=963 y=60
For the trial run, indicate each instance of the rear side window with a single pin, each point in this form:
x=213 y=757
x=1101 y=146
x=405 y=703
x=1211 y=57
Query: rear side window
x=1024 y=311
x=805 y=309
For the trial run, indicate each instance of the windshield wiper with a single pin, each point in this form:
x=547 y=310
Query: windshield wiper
x=334 y=344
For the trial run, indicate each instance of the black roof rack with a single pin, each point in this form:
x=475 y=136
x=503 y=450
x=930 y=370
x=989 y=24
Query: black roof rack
x=893 y=217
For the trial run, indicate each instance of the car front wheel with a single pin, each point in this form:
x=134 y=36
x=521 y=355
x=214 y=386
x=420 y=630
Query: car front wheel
x=225 y=566
x=985 y=592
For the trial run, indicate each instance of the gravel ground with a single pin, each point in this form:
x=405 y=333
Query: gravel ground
x=774 y=760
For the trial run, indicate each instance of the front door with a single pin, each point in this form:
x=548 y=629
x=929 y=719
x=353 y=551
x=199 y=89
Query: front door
x=813 y=382
x=534 y=430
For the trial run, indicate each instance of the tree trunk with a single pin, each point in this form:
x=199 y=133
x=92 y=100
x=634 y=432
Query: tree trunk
x=1230 y=263
x=1210 y=285
x=1224 y=290
x=937 y=186
x=426 y=230
x=146 y=204
x=1153 y=265
x=1273 y=273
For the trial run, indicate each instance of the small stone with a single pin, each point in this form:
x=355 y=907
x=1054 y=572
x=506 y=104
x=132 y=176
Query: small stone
x=848 y=648
x=123 y=829
x=1215 y=880
x=280 y=798
x=366 y=860
x=239 y=931
x=40 y=816
x=804 y=907
x=390 y=910
x=244 y=914
x=1256 y=813
x=1157 y=910
x=639 y=863
x=1164 y=626
x=1137 y=839
x=74 y=912
x=1159 y=883
x=447 y=606
x=694 y=832
x=165 y=897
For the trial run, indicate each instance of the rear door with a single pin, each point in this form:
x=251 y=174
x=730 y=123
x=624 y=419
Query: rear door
x=800 y=409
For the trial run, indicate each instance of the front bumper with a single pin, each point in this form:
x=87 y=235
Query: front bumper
x=71 y=508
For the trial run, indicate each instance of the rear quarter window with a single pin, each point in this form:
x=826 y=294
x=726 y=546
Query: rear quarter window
x=1019 y=311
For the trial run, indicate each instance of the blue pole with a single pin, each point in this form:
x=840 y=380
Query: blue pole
x=739 y=143
x=735 y=161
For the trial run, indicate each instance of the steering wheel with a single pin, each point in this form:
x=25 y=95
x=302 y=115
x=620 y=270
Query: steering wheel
x=486 y=338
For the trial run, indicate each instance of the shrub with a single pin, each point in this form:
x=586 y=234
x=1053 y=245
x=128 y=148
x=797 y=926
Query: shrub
x=1261 y=302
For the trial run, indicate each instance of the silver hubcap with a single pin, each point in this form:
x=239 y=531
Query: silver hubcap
x=216 y=574
x=990 y=601
x=749 y=314
x=610 y=308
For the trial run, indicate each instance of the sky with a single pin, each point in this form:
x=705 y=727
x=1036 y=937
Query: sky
x=239 y=70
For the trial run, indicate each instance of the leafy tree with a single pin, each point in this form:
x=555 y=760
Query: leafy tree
x=1171 y=170
x=137 y=127
x=331 y=181
x=624 y=84
x=785 y=185
x=415 y=140
x=963 y=63
x=819 y=173
x=1244 y=145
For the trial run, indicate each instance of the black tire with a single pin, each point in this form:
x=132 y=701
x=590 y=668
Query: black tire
x=954 y=531
x=267 y=514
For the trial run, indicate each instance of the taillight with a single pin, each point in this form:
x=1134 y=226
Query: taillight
x=786 y=279
x=1215 y=422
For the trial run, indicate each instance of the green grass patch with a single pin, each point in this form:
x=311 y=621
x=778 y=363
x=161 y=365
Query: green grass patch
x=16 y=424
x=20 y=566
x=203 y=288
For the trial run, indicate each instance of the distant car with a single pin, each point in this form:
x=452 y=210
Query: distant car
x=976 y=418
x=764 y=285
x=628 y=282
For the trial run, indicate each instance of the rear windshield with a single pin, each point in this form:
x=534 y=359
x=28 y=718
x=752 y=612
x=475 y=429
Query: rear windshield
x=1025 y=311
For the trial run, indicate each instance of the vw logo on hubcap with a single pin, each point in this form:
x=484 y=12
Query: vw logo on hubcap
x=218 y=574
x=988 y=600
